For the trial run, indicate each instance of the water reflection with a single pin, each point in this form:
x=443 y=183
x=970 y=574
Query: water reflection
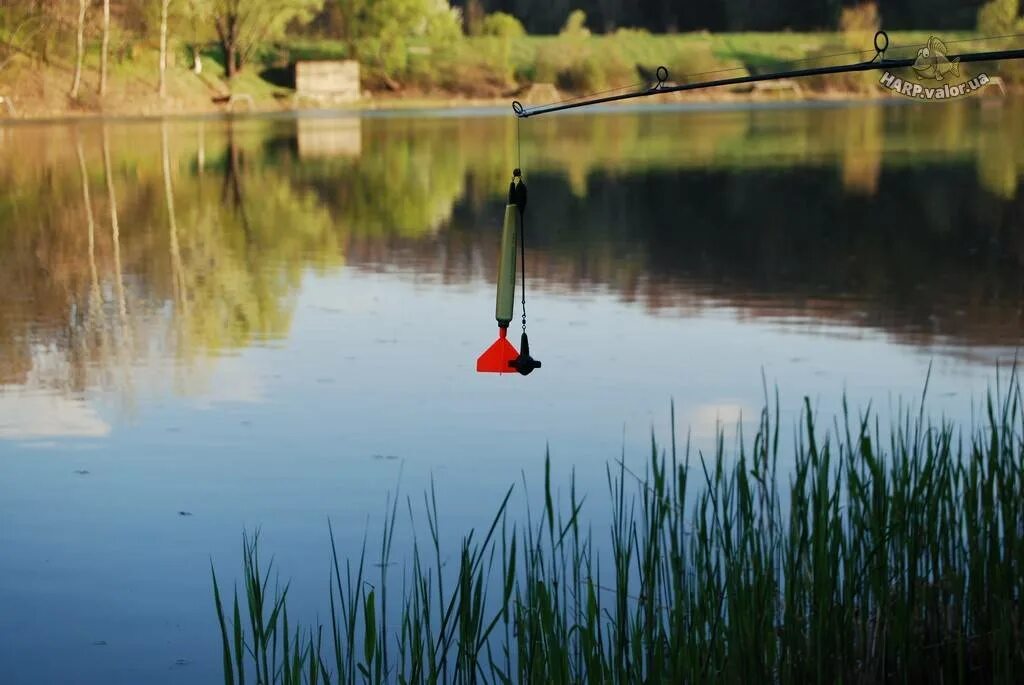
x=325 y=285
x=124 y=246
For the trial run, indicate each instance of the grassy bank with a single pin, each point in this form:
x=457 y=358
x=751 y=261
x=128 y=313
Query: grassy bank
x=875 y=557
x=472 y=70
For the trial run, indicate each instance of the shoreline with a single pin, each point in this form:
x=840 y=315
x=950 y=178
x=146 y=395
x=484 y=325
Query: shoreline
x=531 y=69
x=398 y=105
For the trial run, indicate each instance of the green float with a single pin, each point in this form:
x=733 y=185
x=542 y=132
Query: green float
x=502 y=357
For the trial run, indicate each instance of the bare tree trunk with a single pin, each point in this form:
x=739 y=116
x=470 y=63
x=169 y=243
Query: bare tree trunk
x=177 y=270
x=80 y=52
x=164 y=5
x=95 y=300
x=96 y=332
x=227 y=34
x=231 y=52
x=103 y=49
x=115 y=232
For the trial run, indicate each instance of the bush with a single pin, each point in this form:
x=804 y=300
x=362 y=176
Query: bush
x=410 y=52
x=383 y=58
x=575 y=25
x=583 y=76
x=572 y=64
x=862 y=17
x=859 y=23
x=997 y=17
x=480 y=69
x=853 y=82
x=628 y=33
x=502 y=25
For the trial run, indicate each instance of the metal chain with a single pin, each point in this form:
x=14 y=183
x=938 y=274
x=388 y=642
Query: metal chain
x=522 y=258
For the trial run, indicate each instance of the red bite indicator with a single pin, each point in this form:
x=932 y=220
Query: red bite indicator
x=497 y=357
x=502 y=357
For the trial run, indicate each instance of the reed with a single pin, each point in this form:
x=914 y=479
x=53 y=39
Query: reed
x=877 y=556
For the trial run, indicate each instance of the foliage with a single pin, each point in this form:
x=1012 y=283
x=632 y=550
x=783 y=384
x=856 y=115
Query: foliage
x=574 y=61
x=546 y=17
x=858 y=23
x=614 y=186
x=575 y=25
x=385 y=34
x=999 y=17
x=502 y=25
x=874 y=555
x=243 y=26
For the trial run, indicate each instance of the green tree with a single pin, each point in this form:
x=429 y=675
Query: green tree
x=378 y=32
x=244 y=25
x=999 y=16
x=502 y=25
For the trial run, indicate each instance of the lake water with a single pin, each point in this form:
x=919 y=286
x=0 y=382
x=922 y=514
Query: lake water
x=208 y=326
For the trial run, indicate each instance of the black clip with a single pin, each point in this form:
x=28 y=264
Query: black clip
x=517 y=190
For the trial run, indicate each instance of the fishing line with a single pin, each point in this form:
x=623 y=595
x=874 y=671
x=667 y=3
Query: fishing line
x=522 y=217
x=693 y=74
x=522 y=260
x=501 y=357
x=598 y=92
x=524 y=363
x=975 y=39
x=914 y=47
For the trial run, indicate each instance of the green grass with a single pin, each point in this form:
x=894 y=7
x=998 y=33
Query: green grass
x=895 y=557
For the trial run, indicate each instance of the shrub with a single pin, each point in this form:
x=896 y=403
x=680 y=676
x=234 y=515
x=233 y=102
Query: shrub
x=628 y=33
x=502 y=25
x=575 y=25
x=853 y=82
x=997 y=17
x=862 y=17
x=482 y=68
x=859 y=23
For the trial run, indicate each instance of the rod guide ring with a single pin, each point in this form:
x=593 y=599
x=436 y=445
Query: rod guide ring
x=662 y=74
x=881 y=42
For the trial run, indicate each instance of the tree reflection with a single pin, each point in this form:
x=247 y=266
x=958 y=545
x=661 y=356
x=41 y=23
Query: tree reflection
x=902 y=218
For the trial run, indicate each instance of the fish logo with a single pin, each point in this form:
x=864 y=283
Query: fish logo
x=932 y=63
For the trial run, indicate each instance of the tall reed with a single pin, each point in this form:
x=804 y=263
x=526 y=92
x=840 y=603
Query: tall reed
x=871 y=559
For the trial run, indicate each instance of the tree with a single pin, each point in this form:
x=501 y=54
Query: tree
x=198 y=15
x=79 y=48
x=377 y=32
x=104 y=47
x=244 y=25
x=164 y=7
x=502 y=25
x=473 y=17
x=999 y=17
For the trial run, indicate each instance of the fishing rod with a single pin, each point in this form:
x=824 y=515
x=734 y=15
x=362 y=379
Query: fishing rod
x=878 y=62
x=502 y=357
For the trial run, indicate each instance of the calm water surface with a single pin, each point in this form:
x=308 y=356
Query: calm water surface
x=209 y=325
